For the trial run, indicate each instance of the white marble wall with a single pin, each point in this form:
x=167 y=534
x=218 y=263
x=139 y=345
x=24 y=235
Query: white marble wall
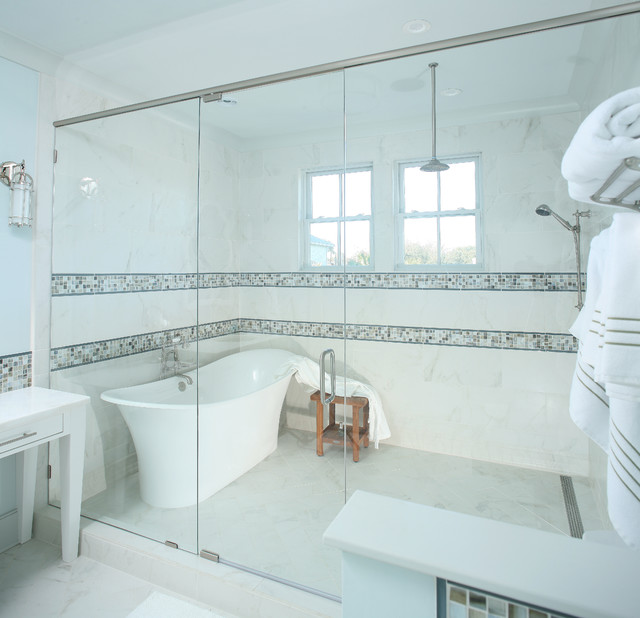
x=142 y=218
x=500 y=405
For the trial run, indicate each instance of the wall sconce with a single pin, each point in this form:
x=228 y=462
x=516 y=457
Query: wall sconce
x=21 y=186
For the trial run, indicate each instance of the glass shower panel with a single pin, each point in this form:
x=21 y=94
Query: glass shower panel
x=124 y=313
x=271 y=300
x=460 y=323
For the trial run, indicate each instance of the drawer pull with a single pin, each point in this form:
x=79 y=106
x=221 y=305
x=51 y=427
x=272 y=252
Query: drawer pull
x=24 y=436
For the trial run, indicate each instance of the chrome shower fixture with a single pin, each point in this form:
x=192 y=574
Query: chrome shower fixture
x=433 y=165
x=544 y=211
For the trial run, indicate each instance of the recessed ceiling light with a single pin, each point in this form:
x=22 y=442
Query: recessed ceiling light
x=416 y=26
x=451 y=92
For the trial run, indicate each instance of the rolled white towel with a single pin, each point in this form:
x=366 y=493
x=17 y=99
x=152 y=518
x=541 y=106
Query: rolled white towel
x=608 y=135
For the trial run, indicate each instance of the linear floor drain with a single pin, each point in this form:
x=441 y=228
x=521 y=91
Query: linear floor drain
x=571 y=505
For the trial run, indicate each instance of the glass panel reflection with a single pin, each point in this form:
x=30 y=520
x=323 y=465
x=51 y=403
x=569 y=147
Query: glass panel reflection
x=124 y=314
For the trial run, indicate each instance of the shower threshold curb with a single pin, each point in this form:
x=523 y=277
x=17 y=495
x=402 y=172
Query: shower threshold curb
x=227 y=589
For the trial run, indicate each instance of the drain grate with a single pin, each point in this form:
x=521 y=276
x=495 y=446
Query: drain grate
x=571 y=505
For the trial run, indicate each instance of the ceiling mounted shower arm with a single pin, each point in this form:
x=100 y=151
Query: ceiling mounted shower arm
x=433 y=66
x=433 y=165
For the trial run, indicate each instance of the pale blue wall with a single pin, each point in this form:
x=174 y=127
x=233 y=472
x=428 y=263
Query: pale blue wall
x=18 y=128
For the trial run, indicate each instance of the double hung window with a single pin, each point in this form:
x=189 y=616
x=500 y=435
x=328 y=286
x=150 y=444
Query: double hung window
x=439 y=215
x=337 y=222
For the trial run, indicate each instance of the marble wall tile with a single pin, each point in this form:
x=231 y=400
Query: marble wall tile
x=111 y=316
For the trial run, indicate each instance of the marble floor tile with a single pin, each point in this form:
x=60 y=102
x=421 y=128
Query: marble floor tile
x=273 y=517
x=34 y=582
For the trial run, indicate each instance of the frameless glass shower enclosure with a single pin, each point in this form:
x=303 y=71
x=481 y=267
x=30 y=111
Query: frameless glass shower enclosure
x=207 y=252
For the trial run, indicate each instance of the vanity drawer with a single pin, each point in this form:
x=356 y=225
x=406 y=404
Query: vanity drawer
x=30 y=432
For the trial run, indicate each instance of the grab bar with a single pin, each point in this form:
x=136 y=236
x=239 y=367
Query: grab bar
x=332 y=372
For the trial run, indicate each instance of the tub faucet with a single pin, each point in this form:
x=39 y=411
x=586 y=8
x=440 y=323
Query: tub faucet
x=189 y=379
x=170 y=352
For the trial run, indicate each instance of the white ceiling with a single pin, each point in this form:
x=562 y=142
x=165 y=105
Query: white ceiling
x=66 y=27
x=143 y=49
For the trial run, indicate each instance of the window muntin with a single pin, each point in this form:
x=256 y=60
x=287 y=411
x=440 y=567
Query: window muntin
x=338 y=220
x=439 y=215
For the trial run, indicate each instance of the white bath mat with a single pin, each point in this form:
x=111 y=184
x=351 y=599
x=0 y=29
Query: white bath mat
x=159 y=605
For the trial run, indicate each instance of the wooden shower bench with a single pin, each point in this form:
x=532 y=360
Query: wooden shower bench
x=332 y=434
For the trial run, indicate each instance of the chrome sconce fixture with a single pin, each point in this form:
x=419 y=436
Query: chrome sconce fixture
x=21 y=187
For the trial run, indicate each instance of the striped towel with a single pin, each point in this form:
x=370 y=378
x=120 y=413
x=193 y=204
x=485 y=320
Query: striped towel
x=605 y=395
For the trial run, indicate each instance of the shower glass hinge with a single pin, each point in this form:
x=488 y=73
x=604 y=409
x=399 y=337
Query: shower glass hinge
x=48 y=472
x=214 y=96
x=209 y=555
x=55 y=156
x=171 y=544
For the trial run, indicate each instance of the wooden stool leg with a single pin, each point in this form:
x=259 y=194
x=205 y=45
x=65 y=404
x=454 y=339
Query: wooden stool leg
x=355 y=433
x=319 y=428
x=365 y=425
x=332 y=414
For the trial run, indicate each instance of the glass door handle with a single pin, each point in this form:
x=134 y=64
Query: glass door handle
x=332 y=372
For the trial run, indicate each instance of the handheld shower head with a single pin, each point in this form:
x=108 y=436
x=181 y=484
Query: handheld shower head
x=544 y=211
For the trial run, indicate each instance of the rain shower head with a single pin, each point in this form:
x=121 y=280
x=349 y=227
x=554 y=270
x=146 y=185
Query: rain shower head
x=434 y=165
x=544 y=211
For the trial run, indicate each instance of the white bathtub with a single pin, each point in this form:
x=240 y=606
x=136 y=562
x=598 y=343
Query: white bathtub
x=240 y=399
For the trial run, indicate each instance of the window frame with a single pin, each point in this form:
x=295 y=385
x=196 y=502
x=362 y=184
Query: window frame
x=307 y=217
x=401 y=215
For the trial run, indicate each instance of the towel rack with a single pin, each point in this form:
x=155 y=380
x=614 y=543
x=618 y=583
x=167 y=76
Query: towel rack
x=630 y=163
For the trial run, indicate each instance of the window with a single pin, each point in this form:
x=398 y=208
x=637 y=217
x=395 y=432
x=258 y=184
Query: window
x=439 y=218
x=338 y=218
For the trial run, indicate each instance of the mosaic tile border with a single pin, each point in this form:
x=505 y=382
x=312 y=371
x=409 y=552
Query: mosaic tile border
x=96 y=351
x=464 y=602
x=79 y=354
x=16 y=371
x=118 y=283
x=504 y=340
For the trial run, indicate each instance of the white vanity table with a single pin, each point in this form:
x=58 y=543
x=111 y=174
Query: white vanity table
x=33 y=416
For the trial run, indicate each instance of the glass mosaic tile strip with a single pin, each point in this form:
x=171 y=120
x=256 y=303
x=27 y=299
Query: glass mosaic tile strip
x=16 y=372
x=117 y=283
x=75 y=284
x=96 y=351
x=463 y=602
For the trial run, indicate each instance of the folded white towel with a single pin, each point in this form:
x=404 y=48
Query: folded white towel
x=605 y=394
x=609 y=134
x=589 y=404
x=619 y=362
x=623 y=474
x=588 y=401
x=307 y=373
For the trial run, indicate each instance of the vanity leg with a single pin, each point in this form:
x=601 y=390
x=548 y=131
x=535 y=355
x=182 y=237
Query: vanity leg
x=71 y=468
x=26 y=464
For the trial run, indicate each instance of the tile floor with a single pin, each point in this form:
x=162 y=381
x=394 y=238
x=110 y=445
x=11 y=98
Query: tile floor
x=272 y=518
x=35 y=583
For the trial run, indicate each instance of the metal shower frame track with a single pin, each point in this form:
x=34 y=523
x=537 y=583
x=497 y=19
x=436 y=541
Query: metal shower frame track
x=462 y=41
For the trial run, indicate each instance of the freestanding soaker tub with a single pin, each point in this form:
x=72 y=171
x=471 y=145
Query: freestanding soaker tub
x=240 y=400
